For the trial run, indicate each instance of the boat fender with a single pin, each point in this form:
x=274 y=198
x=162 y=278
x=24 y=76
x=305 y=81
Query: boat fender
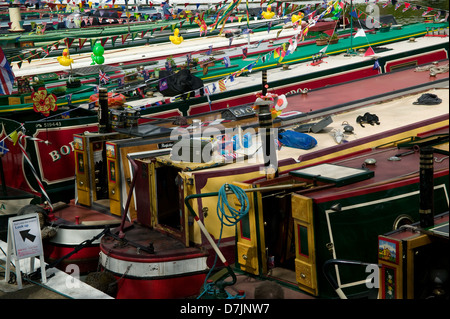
x=295 y=139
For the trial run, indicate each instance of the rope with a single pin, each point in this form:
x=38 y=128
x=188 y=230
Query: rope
x=234 y=215
x=25 y=154
x=228 y=219
x=433 y=68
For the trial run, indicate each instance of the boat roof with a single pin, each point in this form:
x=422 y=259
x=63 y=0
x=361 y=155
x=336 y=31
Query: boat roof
x=331 y=62
x=396 y=117
x=197 y=44
x=385 y=170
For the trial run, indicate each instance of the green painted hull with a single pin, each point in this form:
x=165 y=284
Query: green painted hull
x=356 y=228
x=303 y=54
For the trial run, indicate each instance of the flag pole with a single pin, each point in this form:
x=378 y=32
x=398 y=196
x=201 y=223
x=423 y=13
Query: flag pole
x=351 y=51
x=351 y=27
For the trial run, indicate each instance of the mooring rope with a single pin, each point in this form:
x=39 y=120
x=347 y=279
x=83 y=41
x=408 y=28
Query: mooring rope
x=228 y=219
x=433 y=68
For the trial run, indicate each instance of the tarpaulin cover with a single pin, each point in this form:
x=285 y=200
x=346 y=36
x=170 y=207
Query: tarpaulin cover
x=296 y=139
x=178 y=83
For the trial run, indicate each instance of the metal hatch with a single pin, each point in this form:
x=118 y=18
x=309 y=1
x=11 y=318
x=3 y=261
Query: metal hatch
x=94 y=69
x=332 y=173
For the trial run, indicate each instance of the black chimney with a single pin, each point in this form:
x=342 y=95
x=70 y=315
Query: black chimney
x=426 y=211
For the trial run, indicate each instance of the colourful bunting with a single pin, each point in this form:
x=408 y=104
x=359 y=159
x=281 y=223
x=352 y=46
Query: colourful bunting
x=113 y=39
x=81 y=42
x=124 y=37
x=103 y=41
x=222 y=86
x=369 y=51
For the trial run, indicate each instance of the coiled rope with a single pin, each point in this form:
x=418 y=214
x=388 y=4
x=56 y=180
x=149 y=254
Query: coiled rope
x=233 y=216
x=228 y=216
x=433 y=68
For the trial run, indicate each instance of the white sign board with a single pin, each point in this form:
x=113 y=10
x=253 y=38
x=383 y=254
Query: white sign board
x=27 y=236
x=24 y=241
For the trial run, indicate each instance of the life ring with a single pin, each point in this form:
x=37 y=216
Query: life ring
x=114 y=99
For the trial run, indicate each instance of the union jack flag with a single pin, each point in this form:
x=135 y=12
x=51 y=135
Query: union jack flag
x=103 y=77
x=6 y=75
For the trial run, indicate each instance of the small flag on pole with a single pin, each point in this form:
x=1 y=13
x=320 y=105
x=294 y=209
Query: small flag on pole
x=376 y=66
x=226 y=61
x=244 y=53
x=6 y=75
x=103 y=77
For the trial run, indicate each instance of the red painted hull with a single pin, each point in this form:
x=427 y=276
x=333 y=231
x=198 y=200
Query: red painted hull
x=86 y=259
x=71 y=232
x=165 y=288
x=322 y=82
x=170 y=270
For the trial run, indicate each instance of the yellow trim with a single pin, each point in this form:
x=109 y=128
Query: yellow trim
x=383 y=141
x=246 y=249
x=305 y=266
x=411 y=245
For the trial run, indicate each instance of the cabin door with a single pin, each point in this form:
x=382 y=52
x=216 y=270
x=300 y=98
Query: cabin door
x=250 y=233
x=82 y=170
x=167 y=201
x=305 y=252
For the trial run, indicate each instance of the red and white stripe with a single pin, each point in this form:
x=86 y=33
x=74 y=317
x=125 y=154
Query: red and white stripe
x=25 y=154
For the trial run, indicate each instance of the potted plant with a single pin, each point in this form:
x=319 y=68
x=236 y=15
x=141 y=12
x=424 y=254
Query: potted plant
x=59 y=91
x=385 y=27
x=207 y=62
x=130 y=76
x=194 y=62
x=210 y=61
x=156 y=71
x=322 y=39
x=171 y=62
x=334 y=39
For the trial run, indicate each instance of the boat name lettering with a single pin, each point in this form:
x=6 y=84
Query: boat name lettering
x=63 y=151
x=165 y=145
x=49 y=124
